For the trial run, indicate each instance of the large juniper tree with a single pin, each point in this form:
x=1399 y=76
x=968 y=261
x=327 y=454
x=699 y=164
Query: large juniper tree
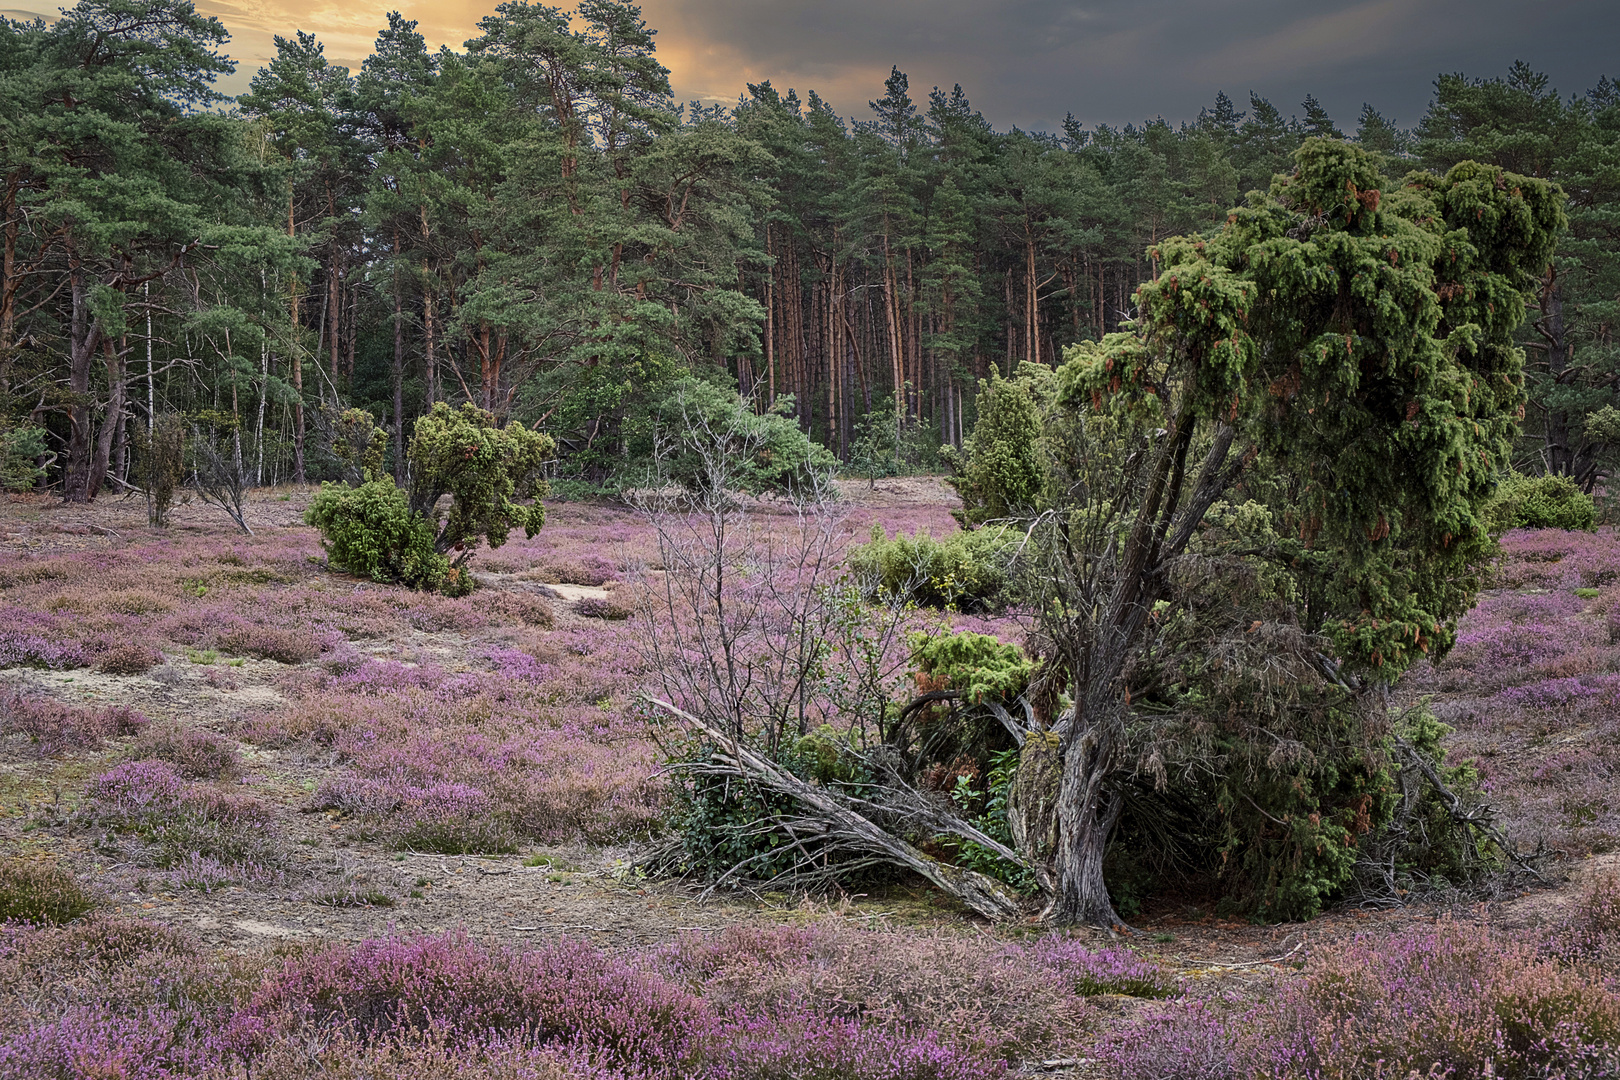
x=1341 y=352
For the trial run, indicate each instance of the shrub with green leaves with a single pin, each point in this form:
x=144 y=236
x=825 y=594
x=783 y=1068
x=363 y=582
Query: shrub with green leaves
x=483 y=468
x=1000 y=471
x=20 y=450
x=719 y=819
x=382 y=532
x=1541 y=502
x=370 y=531
x=40 y=892
x=967 y=571
x=707 y=434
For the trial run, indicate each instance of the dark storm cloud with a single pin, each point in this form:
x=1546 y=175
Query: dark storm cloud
x=1028 y=62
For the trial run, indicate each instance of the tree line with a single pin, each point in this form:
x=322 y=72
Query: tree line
x=533 y=224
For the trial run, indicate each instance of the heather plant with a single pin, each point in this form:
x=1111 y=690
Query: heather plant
x=34 y=891
x=451 y=819
x=175 y=820
x=1457 y=1000
x=1105 y=971
x=1003 y=1001
x=198 y=754
x=52 y=728
x=566 y=995
x=592 y=607
x=131 y=659
x=269 y=643
x=567 y=998
x=1191 y=1039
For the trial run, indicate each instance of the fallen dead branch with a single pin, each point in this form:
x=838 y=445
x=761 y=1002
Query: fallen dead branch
x=832 y=818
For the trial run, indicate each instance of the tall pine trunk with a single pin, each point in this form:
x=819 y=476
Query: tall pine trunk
x=398 y=372
x=1561 y=457
x=84 y=336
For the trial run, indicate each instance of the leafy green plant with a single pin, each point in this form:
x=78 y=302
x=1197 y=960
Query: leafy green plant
x=370 y=531
x=1000 y=472
x=483 y=468
x=390 y=535
x=1541 y=502
x=21 y=448
x=726 y=825
x=704 y=431
x=967 y=571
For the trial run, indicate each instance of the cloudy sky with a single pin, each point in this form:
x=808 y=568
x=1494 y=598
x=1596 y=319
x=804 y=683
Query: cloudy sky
x=1028 y=62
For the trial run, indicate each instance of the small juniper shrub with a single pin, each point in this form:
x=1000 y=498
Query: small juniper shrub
x=40 y=892
x=1541 y=502
x=197 y=753
x=967 y=571
x=129 y=660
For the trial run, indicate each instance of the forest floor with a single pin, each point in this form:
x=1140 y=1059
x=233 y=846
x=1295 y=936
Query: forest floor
x=1531 y=691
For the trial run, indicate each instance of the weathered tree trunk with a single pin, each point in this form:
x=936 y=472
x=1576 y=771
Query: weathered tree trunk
x=84 y=337
x=1087 y=810
x=110 y=425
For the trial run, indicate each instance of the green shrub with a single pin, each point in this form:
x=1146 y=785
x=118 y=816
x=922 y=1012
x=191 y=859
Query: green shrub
x=37 y=892
x=709 y=434
x=389 y=535
x=967 y=571
x=20 y=448
x=1541 y=502
x=977 y=665
x=370 y=531
x=1000 y=472
x=483 y=468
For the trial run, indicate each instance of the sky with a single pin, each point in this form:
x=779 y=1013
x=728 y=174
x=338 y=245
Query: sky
x=1030 y=62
